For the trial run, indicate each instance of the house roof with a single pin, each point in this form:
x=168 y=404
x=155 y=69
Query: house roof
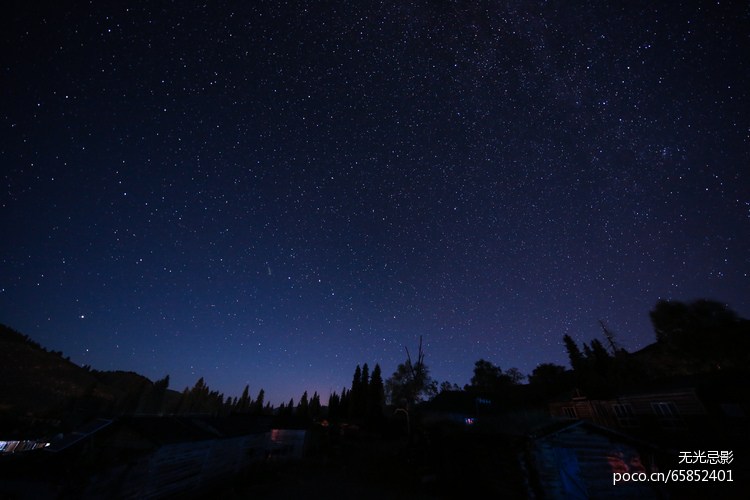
x=720 y=384
x=78 y=435
x=559 y=427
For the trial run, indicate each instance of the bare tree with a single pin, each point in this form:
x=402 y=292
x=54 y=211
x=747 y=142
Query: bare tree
x=411 y=382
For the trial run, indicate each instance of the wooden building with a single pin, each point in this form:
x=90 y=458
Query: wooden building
x=717 y=402
x=668 y=410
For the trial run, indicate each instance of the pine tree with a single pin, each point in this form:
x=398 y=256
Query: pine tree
x=600 y=358
x=344 y=403
x=574 y=353
x=243 y=406
x=183 y=404
x=217 y=402
x=314 y=409
x=303 y=406
x=376 y=395
x=155 y=397
x=355 y=393
x=257 y=406
x=289 y=408
x=588 y=354
x=197 y=398
x=364 y=387
x=333 y=405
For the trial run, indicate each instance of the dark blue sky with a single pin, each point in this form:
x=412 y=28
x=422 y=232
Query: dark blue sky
x=271 y=193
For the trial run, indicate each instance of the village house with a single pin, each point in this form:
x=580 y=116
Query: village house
x=711 y=408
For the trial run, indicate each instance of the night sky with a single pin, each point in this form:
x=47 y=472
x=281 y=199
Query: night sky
x=270 y=193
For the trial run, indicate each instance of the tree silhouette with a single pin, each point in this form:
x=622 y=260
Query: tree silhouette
x=344 y=403
x=257 y=406
x=375 y=395
x=574 y=353
x=490 y=379
x=243 y=404
x=411 y=382
x=200 y=399
x=314 y=408
x=355 y=394
x=364 y=387
x=549 y=379
x=302 y=406
x=600 y=359
x=289 y=408
x=701 y=335
x=334 y=402
x=546 y=373
x=154 y=399
x=447 y=386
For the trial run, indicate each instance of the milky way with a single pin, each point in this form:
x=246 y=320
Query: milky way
x=270 y=194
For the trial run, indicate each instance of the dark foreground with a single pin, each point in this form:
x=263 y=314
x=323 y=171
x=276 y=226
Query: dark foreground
x=374 y=468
